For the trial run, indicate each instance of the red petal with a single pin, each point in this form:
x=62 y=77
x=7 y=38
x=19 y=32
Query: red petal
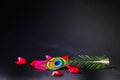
x=21 y=61
x=66 y=57
x=71 y=66
x=57 y=73
x=73 y=69
x=33 y=63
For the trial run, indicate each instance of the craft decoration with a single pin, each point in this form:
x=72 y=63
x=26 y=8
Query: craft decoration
x=74 y=65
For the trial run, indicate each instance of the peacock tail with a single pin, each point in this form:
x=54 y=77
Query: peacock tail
x=89 y=62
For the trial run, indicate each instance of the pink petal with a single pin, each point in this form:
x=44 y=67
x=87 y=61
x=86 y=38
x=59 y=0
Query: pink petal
x=33 y=63
x=21 y=61
x=48 y=57
x=40 y=65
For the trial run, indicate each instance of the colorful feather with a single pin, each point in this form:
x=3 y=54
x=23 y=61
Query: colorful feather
x=74 y=65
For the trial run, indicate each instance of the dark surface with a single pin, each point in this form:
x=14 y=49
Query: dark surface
x=32 y=29
x=29 y=74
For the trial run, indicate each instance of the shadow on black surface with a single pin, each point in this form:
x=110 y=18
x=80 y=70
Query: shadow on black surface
x=25 y=73
x=92 y=75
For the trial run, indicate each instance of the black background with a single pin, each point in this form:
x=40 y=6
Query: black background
x=32 y=29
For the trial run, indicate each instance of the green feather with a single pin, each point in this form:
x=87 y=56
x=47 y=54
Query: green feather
x=90 y=62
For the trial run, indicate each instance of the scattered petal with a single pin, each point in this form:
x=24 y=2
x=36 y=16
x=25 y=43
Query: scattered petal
x=48 y=57
x=21 y=61
x=33 y=63
x=66 y=57
x=57 y=73
x=73 y=69
x=40 y=65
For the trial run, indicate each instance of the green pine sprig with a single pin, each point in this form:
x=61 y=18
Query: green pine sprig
x=89 y=62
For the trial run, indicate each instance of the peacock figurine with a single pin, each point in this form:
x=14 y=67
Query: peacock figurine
x=74 y=65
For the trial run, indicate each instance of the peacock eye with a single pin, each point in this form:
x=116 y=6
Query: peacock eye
x=58 y=63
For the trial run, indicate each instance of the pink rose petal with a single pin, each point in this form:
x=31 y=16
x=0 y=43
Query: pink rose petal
x=21 y=61
x=48 y=57
x=40 y=65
